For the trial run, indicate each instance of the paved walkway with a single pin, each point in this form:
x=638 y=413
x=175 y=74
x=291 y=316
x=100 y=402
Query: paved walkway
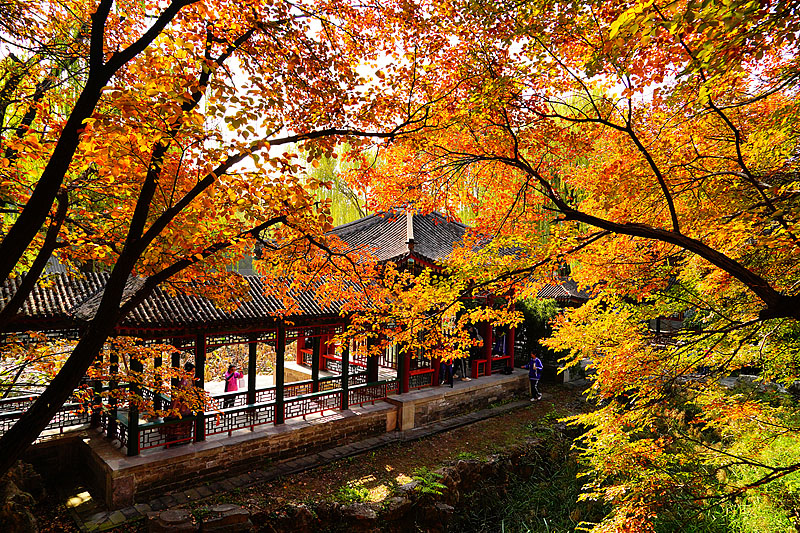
x=91 y=518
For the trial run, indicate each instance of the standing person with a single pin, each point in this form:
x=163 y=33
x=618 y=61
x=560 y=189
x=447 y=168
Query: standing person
x=231 y=384
x=460 y=369
x=474 y=351
x=535 y=368
x=446 y=372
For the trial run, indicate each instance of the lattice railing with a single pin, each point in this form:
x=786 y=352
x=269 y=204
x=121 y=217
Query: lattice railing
x=298 y=388
x=420 y=378
x=312 y=403
x=230 y=399
x=18 y=403
x=229 y=420
x=388 y=358
x=69 y=416
x=120 y=431
x=299 y=401
x=166 y=433
x=500 y=363
x=371 y=392
x=265 y=395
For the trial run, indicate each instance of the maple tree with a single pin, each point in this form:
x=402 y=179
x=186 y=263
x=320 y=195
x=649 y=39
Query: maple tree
x=654 y=146
x=160 y=140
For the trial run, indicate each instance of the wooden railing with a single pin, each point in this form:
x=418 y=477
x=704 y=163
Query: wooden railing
x=173 y=432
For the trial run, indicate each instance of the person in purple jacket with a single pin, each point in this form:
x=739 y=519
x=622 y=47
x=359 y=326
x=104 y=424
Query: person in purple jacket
x=535 y=368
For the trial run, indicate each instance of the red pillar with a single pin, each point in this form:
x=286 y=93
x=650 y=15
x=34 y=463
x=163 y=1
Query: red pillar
x=436 y=364
x=510 y=341
x=404 y=371
x=300 y=343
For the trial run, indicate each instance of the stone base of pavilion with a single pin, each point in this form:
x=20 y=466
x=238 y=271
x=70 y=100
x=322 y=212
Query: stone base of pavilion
x=432 y=404
x=121 y=480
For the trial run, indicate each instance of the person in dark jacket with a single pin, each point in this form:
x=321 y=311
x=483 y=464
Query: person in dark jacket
x=535 y=368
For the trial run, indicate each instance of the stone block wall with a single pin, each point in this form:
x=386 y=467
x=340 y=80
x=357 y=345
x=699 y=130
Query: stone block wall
x=433 y=404
x=122 y=481
x=147 y=476
x=454 y=402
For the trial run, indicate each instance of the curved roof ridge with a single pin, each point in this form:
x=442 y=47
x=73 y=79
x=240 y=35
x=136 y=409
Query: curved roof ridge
x=447 y=218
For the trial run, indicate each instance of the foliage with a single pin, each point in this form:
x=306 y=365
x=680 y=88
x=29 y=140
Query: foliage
x=151 y=141
x=467 y=456
x=428 y=482
x=352 y=494
x=537 y=315
x=654 y=145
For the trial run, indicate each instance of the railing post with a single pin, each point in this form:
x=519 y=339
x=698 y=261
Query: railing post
x=252 y=358
x=316 y=343
x=200 y=381
x=346 y=376
x=135 y=389
x=113 y=370
x=280 y=355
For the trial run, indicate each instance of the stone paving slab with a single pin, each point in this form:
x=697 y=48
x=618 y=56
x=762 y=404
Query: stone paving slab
x=106 y=520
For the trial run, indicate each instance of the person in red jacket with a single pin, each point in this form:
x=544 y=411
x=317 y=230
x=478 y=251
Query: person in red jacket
x=231 y=384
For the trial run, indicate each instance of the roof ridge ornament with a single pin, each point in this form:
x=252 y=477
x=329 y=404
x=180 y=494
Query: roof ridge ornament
x=410 y=229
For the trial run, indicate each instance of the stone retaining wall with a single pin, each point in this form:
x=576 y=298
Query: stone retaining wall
x=439 y=403
x=124 y=480
x=121 y=481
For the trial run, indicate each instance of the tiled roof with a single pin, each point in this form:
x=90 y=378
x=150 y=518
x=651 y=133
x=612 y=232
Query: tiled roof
x=386 y=235
x=69 y=300
x=59 y=300
x=563 y=289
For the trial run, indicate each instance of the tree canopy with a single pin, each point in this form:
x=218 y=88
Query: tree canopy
x=160 y=141
x=652 y=145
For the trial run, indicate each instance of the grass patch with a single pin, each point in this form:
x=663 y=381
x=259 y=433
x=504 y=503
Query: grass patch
x=352 y=494
x=467 y=456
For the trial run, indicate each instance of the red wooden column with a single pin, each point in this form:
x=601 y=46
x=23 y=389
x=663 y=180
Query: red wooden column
x=200 y=381
x=299 y=344
x=404 y=370
x=436 y=364
x=252 y=360
x=487 y=347
x=372 y=361
x=510 y=349
x=280 y=354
